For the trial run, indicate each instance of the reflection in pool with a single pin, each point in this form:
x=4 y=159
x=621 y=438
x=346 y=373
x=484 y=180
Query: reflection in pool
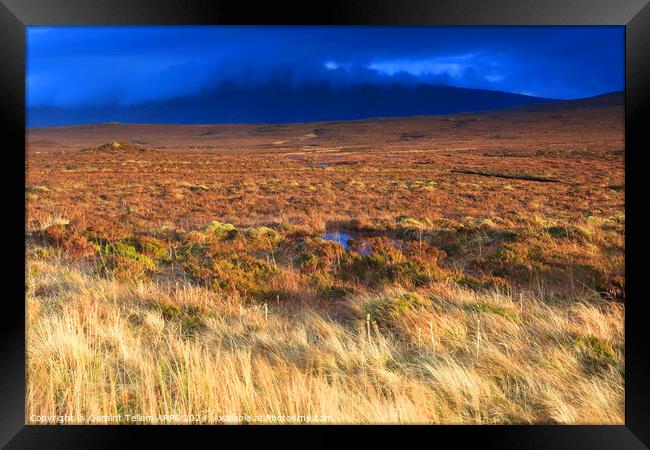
x=360 y=245
x=339 y=238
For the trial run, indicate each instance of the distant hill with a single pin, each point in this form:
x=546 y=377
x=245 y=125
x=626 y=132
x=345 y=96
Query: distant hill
x=596 y=123
x=279 y=102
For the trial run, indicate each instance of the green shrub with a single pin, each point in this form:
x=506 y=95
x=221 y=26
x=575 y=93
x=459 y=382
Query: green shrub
x=221 y=230
x=263 y=234
x=152 y=247
x=123 y=260
x=308 y=262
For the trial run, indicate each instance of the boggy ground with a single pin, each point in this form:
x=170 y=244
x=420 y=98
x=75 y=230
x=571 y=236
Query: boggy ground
x=183 y=269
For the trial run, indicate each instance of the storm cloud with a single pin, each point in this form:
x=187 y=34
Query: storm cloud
x=128 y=67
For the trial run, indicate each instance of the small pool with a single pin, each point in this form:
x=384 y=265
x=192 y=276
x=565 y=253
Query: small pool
x=339 y=238
x=361 y=245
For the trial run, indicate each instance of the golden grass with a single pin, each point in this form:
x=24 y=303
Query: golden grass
x=99 y=347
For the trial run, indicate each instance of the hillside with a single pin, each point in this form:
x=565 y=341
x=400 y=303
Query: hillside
x=283 y=102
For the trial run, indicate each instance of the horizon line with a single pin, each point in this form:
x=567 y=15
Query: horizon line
x=396 y=117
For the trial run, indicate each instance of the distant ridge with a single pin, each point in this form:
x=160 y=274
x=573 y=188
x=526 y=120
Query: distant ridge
x=608 y=94
x=616 y=98
x=279 y=102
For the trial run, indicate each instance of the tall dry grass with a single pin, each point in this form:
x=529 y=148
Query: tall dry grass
x=99 y=350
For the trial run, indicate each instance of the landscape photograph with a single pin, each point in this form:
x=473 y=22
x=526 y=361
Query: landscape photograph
x=325 y=225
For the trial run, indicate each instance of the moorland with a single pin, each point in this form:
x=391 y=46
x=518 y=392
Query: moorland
x=466 y=268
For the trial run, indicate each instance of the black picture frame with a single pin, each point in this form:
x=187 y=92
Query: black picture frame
x=15 y=15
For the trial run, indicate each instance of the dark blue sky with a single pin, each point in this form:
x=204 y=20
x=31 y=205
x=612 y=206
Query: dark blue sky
x=123 y=67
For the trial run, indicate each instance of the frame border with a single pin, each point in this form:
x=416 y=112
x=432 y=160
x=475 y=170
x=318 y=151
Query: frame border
x=15 y=15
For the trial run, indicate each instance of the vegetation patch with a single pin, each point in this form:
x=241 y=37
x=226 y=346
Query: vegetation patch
x=190 y=318
x=385 y=309
x=124 y=261
x=335 y=292
x=387 y=264
x=316 y=254
x=221 y=230
x=262 y=234
x=232 y=272
x=484 y=282
x=64 y=237
x=243 y=273
x=152 y=247
x=37 y=190
x=596 y=354
x=580 y=233
x=411 y=227
x=193 y=187
x=482 y=307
